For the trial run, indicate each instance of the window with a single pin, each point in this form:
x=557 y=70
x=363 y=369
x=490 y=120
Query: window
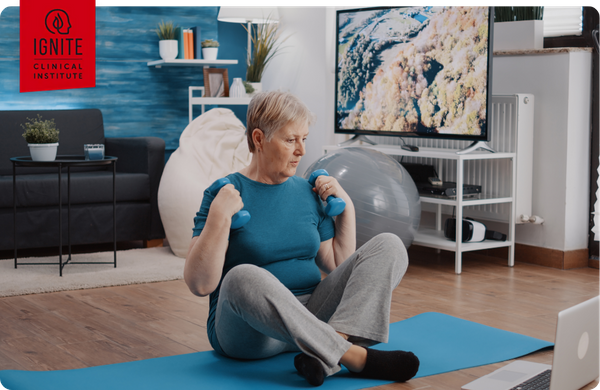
x=561 y=21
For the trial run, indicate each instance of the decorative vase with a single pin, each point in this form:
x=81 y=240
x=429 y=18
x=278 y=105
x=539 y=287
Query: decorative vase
x=257 y=88
x=237 y=88
x=43 y=152
x=210 y=53
x=519 y=35
x=168 y=49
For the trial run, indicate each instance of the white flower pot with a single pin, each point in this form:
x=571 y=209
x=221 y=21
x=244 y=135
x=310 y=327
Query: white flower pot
x=43 y=152
x=209 y=53
x=521 y=35
x=168 y=49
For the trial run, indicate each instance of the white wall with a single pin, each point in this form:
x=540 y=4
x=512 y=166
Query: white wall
x=301 y=69
x=560 y=83
x=561 y=167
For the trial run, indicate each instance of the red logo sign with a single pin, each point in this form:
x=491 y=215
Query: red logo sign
x=57 y=44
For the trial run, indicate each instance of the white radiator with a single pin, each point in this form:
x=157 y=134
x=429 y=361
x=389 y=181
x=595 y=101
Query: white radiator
x=511 y=130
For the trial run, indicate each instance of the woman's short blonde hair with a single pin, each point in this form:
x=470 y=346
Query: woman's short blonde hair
x=273 y=110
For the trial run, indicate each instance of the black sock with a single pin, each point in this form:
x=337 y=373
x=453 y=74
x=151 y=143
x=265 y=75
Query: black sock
x=310 y=368
x=397 y=366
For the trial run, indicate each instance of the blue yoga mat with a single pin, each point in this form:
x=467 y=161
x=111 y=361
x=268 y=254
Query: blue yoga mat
x=443 y=343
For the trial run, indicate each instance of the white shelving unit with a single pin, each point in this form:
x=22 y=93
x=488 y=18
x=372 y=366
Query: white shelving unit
x=202 y=101
x=434 y=238
x=216 y=101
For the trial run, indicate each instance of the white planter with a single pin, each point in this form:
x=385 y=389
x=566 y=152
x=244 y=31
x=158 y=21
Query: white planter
x=209 y=53
x=521 y=35
x=43 y=152
x=168 y=49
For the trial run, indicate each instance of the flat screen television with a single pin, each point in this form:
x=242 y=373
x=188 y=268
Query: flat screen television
x=414 y=72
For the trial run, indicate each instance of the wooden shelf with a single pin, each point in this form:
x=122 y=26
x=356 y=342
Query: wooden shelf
x=161 y=63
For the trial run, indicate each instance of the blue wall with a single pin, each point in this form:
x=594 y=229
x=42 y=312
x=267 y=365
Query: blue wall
x=135 y=100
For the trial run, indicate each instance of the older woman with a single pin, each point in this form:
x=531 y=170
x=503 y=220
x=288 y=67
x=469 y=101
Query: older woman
x=266 y=292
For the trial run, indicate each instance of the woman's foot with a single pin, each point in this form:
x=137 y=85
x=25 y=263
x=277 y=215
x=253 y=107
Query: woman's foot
x=397 y=366
x=310 y=368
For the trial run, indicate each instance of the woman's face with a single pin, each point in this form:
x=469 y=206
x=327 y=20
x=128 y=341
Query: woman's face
x=283 y=153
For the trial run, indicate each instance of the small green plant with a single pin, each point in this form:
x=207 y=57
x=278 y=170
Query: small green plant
x=513 y=14
x=248 y=86
x=38 y=131
x=165 y=30
x=209 y=43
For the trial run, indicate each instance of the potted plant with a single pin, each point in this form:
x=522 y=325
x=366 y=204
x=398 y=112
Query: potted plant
x=210 y=47
x=518 y=28
x=266 y=44
x=249 y=88
x=42 y=138
x=167 y=44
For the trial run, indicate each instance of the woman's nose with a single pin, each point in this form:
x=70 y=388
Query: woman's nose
x=301 y=149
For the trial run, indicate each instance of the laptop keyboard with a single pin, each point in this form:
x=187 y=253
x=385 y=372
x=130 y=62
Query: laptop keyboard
x=538 y=382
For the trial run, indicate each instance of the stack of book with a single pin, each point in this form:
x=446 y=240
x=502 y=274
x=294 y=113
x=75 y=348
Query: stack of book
x=188 y=43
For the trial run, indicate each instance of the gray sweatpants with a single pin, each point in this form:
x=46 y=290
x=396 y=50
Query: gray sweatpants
x=258 y=317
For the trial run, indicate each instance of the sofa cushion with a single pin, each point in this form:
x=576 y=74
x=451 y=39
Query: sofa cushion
x=37 y=190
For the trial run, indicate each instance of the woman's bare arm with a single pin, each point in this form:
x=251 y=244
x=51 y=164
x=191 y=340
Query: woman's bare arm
x=334 y=252
x=206 y=254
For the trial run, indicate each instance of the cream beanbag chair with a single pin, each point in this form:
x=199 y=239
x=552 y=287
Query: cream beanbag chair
x=212 y=146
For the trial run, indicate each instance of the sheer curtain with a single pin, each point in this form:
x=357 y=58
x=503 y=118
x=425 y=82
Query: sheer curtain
x=559 y=21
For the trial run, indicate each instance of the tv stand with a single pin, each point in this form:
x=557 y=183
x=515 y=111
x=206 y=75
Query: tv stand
x=357 y=138
x=476 y=145
x=434 y=237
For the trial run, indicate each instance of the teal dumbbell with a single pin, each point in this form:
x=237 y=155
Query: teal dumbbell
x=335 y=206
x=241 y=217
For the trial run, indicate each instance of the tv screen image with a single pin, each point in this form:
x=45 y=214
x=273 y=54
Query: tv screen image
x=414 y=71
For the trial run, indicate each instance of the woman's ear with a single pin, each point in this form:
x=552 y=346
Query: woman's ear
x=258 y=137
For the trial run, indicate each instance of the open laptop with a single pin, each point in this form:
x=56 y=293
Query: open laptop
x=575 y=362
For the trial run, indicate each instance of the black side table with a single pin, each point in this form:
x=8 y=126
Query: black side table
x=61 y=162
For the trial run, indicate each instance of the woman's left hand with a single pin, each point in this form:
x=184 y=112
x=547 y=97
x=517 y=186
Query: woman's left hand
x=334 y=252
x=326 y=186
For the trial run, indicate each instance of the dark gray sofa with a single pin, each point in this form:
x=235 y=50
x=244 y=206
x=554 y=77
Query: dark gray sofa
x=139 y=168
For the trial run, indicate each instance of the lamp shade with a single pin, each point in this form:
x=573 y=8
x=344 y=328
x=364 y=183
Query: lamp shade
x=258 y=15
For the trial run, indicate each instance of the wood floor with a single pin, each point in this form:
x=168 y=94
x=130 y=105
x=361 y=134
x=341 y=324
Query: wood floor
x=86 y=328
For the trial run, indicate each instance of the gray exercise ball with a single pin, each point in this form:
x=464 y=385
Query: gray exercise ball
x=384 y=195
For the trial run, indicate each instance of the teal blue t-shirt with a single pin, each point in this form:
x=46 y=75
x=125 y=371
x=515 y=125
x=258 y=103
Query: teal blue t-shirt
x=283 y=236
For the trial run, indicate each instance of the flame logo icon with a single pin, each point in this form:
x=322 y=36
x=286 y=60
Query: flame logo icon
x=57 y=21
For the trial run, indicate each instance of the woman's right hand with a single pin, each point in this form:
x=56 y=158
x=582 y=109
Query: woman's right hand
x=227 y=202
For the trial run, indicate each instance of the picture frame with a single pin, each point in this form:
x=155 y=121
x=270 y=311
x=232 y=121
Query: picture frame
x=216 y=82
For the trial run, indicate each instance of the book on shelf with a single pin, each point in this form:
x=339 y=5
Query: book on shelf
x=186 y=37
x=196 y=43
x=191 y=44
x=180 y=43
